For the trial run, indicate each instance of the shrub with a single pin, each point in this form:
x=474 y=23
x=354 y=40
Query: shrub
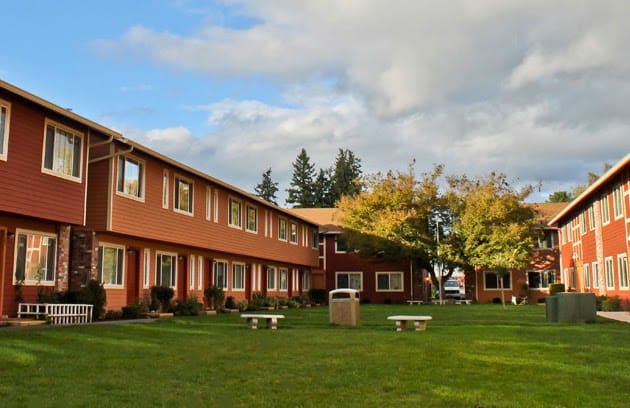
x=230 y=303
x=257 y=301
x=188 y=307
x=317 y=295
x=93 y=294
x=611 y=304
x=243 y=305
x=135 y=311
x=556 y=287
x=163 y=296
x=113 y=315
x=214 y=296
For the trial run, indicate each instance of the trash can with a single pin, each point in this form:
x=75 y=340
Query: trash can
x=343 y=307
x=571 y=307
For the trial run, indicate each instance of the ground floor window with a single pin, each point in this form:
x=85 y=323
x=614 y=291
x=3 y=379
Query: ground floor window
x=166 y=270
x=271 y=278
x=35 y=258
x=220 y=274
x=349 y=280
x=147 y=256
x=596 y=276
x=623 y=271
x=540 y=279
x=587 y=277
x=306 y=280
x=491 y=280
x=238 y=276
x=610 y=273
x=110 y=264
x=284 y=279
x=389 y=281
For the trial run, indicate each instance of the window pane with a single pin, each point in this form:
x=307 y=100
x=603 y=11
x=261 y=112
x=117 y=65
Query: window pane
x=3 y=122
x=20 y=263
x=395 y=281
x=355 y=281
x=383 y=281
x=342 y=280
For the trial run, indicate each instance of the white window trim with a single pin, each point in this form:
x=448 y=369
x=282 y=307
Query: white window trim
x=124 y=266
x=165 y=189
x=338 y=251
x=402 y=281
x=231 y=223
x=596 y=274
x=587 y=276
x=164 y=253
x=297 y=231
x=498 y=277
x=583 y=227
x=286 y=229
x=247 y=208
x=591 y=217
x=610 y=283
x=618 y=193
x=146 y=278
x=539 y=271
x=208 y=203
x=236 y=264
x=622 y=262
x=141 y=163
x=360 y=273
x=192 y=193
x=605 y=207
x=7 y=125
x=15 y=256
x=306 y=280
x=282 y=271
x=215 y=213
x=192 y=261
x=74 y=132
x=200 y=272
x=315 y=238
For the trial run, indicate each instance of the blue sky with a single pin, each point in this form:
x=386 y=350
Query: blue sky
x=535 y=89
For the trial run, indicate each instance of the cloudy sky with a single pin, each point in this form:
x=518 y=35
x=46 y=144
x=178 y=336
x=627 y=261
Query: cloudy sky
x=538 y=90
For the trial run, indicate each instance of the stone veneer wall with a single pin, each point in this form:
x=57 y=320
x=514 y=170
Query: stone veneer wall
x=83 y=258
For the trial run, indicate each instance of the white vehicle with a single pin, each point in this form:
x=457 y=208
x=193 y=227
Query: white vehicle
x=453 y=289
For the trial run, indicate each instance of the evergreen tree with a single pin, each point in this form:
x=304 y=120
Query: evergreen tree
x=301 y=192
x=322 y=194
x=267 y=188
x=346 y=175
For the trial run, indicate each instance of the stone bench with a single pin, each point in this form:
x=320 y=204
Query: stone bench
x=463 y=302
x=415 y=302
x=419 y=322
x=271 y=319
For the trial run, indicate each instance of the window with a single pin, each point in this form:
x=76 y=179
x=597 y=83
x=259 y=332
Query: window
x=340 y=244
x=306 y=280
x=282 y=229
x=5 y=114
x=618 y=201
x=610 y=274
x=165 y=189
x=235 y=213
x=294 y=233
x=208 y=203
x=252 y=219
x=130 y=177
x=491 y=280
x=215 y=204
x=591 y=217
x=166 y=270
x=389 y=281
x=193 y=266
x=238 y=276
x=583 y=223
x=35 y=258
x=596 y=276
x=315 y=239
x=622 y=263
x=220 y=274
x=540 y=279
x=545 y=239
x=110 y=265
x=271 y=277
x=146 y=270
x=349 y=280
x=62 y=152
x=587 y=276
x=605 y=210
x=183 y=195
x=284 y=279
x=200 y=272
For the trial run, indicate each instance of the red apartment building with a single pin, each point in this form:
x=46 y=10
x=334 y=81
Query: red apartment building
x=142 y=220
x=595 y=234
x=377 y=282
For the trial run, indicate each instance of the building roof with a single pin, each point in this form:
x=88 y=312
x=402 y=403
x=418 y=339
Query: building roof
x=137 y=146
x=582 y=198
x=546 y=211
x=326 y=218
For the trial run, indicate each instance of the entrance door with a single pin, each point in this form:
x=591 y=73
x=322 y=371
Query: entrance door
x=132 y=271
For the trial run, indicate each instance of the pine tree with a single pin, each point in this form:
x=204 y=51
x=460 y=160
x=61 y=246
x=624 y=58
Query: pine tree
x=301 y=193
x=322 y=194
x=267 y=188
x=345 y=177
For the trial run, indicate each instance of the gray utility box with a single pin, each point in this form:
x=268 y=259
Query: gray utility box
x=571 y=307
x=343 y=307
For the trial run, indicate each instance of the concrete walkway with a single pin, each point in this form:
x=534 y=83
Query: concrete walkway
x=620 y=316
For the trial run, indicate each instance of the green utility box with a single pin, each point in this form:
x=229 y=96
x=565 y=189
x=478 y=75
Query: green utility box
x=571 y=307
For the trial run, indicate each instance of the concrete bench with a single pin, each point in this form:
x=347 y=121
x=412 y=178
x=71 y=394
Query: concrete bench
x=415 y=302
x=419 y=322
x=271 y=319
x=463 y=302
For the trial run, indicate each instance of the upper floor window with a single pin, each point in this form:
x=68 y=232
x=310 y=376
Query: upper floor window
x=130 y=177
x=582 y=223
x=5 y=113
x=62 y=152
x=591 y=217
x=545 y=239
x=235 y=217
x=110 y=265
x=618 y=201
x=165 y=189
x=252 y=219
x=315 y=238
x=605 y=210
x=282 y=228
x=35 y=257
x=183 y=195
x=294 y=233
x=341 y=246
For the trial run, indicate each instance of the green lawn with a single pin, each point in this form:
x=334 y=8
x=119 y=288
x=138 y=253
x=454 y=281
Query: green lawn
x=476 y=355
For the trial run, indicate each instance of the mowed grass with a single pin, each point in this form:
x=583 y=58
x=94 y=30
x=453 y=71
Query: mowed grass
x=477 y=355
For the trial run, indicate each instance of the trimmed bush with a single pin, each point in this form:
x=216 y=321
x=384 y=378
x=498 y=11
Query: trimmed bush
x=93 y=294
x=188 y=307
x=214 y=296
x=162 y=295
x=556 y=288
x=230 y=303
x=317 y=295
x=611 y=304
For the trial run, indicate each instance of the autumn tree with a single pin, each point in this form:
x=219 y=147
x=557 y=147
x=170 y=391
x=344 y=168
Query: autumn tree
x=492 y=226
x=267 y=188
x=301 y=193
